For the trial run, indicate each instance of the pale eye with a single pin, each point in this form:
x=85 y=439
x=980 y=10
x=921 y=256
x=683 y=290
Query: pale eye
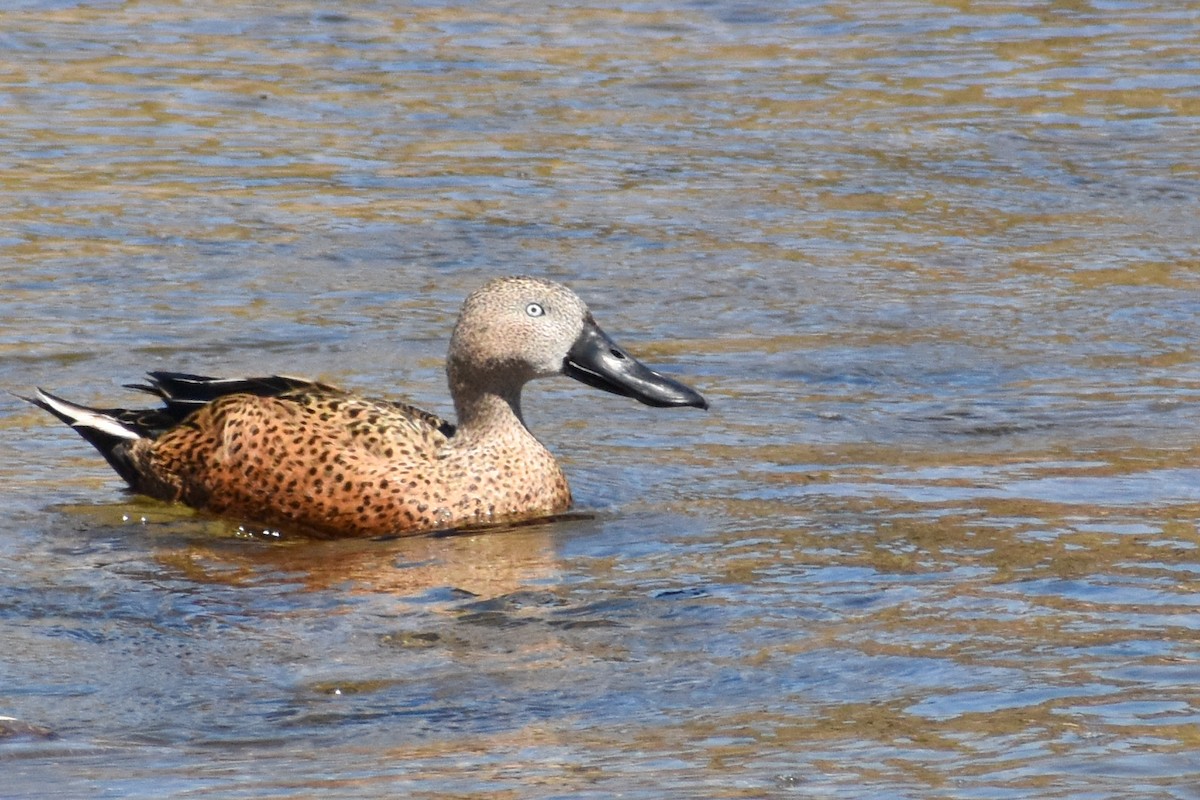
x=534 y=310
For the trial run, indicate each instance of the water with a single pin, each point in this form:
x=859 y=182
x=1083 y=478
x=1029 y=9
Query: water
x=935 y=266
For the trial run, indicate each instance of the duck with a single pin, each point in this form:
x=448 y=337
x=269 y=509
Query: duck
x=306 y=456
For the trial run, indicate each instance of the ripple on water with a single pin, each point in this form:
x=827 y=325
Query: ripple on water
x=934 y=266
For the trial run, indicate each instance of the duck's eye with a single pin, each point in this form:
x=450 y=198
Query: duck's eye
x=534 y=310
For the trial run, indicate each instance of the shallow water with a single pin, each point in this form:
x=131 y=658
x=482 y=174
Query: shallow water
x=935 y=265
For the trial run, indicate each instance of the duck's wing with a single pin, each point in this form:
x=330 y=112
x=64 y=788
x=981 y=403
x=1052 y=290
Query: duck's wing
x=197 y=407
x=184 y=393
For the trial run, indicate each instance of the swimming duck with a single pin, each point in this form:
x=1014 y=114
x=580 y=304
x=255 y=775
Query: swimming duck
x=305 y=455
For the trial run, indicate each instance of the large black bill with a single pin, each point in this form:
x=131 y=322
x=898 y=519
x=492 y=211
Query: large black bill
x=596 y=360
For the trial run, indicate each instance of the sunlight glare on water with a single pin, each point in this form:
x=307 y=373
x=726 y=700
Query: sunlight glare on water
x=934 y=264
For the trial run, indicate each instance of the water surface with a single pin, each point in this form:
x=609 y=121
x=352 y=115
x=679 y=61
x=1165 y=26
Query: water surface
x=935 y=265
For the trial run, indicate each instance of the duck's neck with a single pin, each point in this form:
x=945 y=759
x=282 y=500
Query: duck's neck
x=510 y=472
x=488 y=413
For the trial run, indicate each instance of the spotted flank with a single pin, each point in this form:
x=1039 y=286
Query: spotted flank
x=308 y=456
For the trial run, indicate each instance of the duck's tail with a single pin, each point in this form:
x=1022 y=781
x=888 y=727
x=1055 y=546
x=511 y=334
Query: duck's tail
x=103 y=429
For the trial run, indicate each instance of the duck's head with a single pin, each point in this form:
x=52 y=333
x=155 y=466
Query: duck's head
x=513 y=330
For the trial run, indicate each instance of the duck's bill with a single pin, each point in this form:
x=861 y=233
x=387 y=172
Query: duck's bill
x=596 y=360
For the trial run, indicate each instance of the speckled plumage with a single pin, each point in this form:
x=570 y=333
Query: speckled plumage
x=290 y=452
